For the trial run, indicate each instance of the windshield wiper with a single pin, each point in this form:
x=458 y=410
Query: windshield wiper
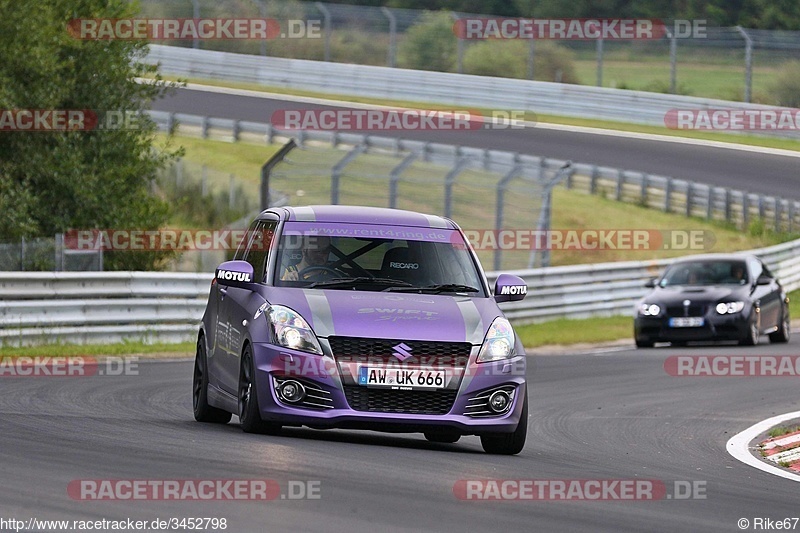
x=361 y=280
x=435 y=289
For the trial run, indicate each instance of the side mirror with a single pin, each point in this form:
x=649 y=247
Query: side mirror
x=763 y=280
x=651 y=283
x=509 y=288
x=235 y=274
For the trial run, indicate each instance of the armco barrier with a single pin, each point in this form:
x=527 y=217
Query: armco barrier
x=101 y=307
x=563 y=99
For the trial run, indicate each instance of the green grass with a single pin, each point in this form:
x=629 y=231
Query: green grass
x=564 y=331
x=782 y=430
x=117 y=349
x=750 y=140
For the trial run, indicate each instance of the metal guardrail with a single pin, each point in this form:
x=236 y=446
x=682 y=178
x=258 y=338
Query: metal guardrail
x=580 y=101
x=166 y=307
x=668 y=194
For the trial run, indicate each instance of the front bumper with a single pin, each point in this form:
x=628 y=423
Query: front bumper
x=321 y=374
x=715 y=328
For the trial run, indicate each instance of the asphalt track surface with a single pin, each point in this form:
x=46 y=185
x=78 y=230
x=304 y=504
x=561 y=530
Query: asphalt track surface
x=605 y=416
x=771 y=174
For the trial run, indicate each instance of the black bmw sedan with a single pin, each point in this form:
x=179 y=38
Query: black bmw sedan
x=713 y=298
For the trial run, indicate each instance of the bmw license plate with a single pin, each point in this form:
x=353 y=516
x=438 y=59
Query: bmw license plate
x=686 y=322
x=402 y=378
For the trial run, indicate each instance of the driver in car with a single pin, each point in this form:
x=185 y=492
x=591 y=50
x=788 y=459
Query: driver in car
x=316 y=250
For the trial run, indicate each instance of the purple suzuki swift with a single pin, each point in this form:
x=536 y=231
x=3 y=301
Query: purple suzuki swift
x=361 y=318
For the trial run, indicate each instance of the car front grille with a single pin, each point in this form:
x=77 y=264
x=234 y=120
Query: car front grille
x=427 y=353
x=692 y=310
x=438 y=402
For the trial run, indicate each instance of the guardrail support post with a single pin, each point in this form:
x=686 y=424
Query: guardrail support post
x=748 y=63
x=326 y=16
x=600 y=62
x=727 y=205
x=710 y=203
x=338 y=168
x=620 y=182
x=761 y=207
x=593 y=180
x=778 y=214
x=745 y=210
x=689 y=199
x=643 y=193
x=392 y=53
x=450 y=180
x=276 y=158
x=394 y=177
x=668 y=195
x=792 y=205
x=498 y=220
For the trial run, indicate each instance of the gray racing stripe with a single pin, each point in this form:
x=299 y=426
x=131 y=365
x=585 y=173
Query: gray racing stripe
x=474 y=327
x=304 y=214
x=320 y=312
x=436 y=222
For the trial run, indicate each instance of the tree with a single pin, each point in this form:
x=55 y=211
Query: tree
x=58 y=180
x=430 y=44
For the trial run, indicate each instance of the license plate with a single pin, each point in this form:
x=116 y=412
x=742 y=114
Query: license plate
x=686 y=322
x=402 y=378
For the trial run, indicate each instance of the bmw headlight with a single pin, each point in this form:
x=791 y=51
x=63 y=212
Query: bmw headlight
x=649 y=309
x=728 y=308
x=289 y=329
x=499 y=342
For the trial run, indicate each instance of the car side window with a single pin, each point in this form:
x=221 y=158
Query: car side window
x=756 y=269
x=259 y=242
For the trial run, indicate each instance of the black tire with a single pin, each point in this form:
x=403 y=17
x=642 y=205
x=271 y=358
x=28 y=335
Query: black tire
x=508 y=443
x=752 y=336
x=445 y=438
x=203 y=412
x=782 y=335
x=249 y=413
x=644 y=344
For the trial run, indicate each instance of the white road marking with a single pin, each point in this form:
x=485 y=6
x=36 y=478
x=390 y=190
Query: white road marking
x=738 y=445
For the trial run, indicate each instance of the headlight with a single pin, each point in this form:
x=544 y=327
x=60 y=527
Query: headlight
x=649 y=310
x=499 y=342
x=728 y=308
x=290 y=330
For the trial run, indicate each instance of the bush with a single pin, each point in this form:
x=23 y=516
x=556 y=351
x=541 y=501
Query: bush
x=509 y=59
x=430 y=44
x=785 y=88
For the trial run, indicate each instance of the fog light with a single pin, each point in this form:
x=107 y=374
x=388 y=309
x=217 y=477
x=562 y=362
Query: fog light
x=499 y=401
x=291 y=391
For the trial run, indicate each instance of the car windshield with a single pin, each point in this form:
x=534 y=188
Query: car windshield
x=705 y=273
x=376 y=258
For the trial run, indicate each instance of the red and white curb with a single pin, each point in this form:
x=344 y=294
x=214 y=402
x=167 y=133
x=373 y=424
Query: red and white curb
x=739 y=446
x=784 y=449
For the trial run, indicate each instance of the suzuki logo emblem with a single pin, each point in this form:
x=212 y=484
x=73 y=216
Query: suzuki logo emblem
x=402 y=351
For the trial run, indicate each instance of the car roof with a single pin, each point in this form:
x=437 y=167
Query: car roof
x=716 y=257
x=352 y=214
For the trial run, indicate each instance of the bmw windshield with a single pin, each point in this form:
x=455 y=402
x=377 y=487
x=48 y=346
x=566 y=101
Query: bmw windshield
x=376 y=258
x=705 y=273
